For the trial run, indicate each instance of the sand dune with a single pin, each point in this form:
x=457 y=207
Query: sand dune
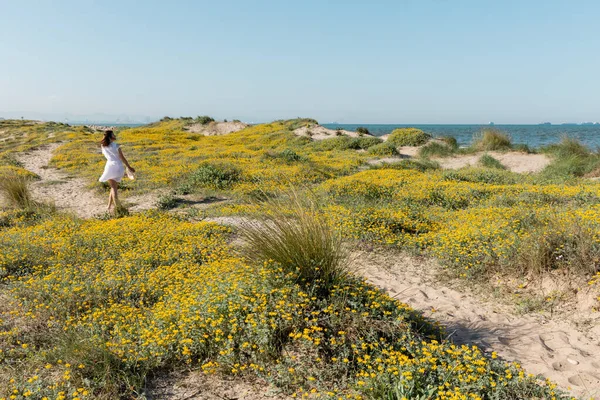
x=216 y=128
x=318 y=132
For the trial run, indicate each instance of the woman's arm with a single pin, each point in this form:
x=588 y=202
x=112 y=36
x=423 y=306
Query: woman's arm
x=125 y=161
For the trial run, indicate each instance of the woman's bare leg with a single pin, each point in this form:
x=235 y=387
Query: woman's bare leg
x=114 y=196
x=110 y=200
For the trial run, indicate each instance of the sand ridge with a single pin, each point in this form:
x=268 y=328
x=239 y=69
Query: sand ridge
x=216 y=128
x=318 y=132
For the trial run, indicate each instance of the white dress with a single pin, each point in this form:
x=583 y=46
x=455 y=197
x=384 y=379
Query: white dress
x=114 y=168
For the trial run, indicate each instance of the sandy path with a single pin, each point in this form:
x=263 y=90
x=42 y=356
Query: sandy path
x=553 y=348
x=69 y=193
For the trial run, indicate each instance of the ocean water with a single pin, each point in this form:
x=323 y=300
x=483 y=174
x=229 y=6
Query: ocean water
x=531 y=135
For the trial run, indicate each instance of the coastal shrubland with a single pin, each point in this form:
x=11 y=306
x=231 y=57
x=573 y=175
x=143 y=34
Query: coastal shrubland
x=96 y=308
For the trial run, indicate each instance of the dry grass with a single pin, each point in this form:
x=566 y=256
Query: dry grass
x=296 y=235
x=15 y=191
x=491 y=139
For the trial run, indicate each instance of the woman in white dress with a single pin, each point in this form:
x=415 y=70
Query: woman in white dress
x=114 y=169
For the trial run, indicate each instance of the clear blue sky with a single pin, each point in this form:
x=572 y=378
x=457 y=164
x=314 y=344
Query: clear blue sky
x=444 y=61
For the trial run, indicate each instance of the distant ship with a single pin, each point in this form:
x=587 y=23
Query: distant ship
x=491 y=123
x=545 y=123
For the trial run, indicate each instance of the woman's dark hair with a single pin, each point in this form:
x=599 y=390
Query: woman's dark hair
x=107 y=137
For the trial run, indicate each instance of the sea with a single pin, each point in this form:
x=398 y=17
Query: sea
x=532 y=135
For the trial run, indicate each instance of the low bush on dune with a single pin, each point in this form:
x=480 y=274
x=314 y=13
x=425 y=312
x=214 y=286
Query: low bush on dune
x=204 y=119
x=347 y=143
x=408 y=137
x=450 y=141
x=488 y=161
x=418 y=165
x=215 y=176
x=436 y=149
x=383 y=150
x=571 y=159
x=287 y=155
x=361 y=130
x=105 y=305
x=490 y=139
x=482 y=175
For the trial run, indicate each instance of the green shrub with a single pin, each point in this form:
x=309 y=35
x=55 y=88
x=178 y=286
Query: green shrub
x=204 y=119
x=361 y=130
x=347 y=143
x=450 y=141
x=481 y=175
x=418 y=165
x=408 y=137
x=488 y=161
x=383 y=150
x=365 y=143
x=490 y=139
x=522 y=147
x=287 y=155
x=571 y=160
x=216 y=176
x=567 y=147
x=167 y=202
x=435 y=149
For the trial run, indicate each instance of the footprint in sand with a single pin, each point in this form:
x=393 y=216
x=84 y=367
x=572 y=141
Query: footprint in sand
x=553 y=341
x=585 y=379
x=567 y=364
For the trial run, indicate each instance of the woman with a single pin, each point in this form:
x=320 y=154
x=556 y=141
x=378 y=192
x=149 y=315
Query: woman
x=114 y=169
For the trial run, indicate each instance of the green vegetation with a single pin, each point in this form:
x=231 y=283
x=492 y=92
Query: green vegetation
x=570 y=159
x=490 y=139
x=295 y=235
x=204 y=119
x=347 y=143
x=97 y=308
x=450 y=141
x=14 y=190
x=436 y=149
x=361 y=130
x=408 y=137
x=488 y=161
x=383 y=150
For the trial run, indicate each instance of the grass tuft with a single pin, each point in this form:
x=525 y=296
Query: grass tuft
x=436 y=149
x=297 y=236
x=490 y=139
x=15 y=190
